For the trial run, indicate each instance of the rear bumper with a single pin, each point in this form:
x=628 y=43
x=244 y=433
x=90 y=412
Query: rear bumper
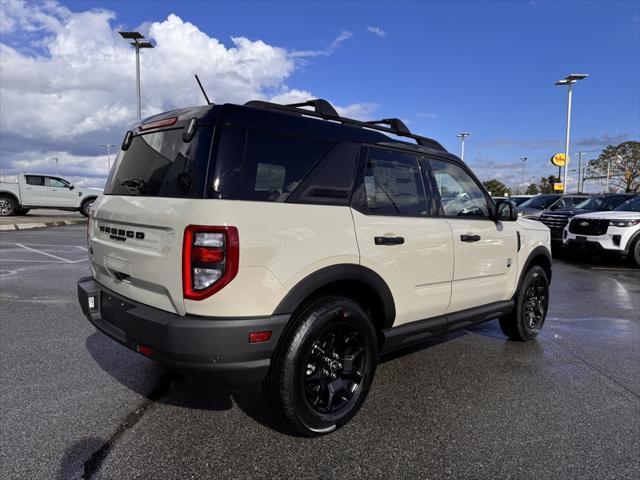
x=218 y=346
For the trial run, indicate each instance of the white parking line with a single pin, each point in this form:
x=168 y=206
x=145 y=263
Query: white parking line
x=49 y=254
x=30 y=261
x=45 y=245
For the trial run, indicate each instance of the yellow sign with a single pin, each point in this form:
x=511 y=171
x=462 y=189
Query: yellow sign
x=559 y=160
x=558 y=186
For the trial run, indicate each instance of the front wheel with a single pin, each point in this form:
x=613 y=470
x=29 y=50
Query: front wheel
x=532 y=301
x=325 y=367
x=8 y=207
x=86 y=206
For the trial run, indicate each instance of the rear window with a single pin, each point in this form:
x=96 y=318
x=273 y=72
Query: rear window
x=161 y=164
x=34 y=180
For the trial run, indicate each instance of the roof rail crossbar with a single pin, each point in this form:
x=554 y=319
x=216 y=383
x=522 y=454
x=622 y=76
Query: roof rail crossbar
x=394 y=123
x=323 y=109
x=319 y=105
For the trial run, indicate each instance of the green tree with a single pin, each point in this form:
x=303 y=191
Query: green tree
x=623 y=162
x=532 y=189
x=546 y=183
x=496 y=188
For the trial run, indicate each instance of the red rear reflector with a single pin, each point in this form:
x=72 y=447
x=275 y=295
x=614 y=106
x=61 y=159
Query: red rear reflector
x=165 y=122
x=207 y=254
x=257 y=337
x=144 y=350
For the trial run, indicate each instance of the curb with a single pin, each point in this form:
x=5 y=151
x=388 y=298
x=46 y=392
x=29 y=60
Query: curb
x=24 y=226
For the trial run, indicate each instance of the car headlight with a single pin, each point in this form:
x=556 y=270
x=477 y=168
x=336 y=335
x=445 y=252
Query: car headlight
x=623 y=223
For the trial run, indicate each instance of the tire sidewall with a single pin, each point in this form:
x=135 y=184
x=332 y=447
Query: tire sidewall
x=86 y=205
x=532 y=273
x=309 y=330
x=12 y=207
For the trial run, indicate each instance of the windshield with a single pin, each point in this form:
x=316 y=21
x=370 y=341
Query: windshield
x=519 y=200
x=541 y=202
x=602 y=202
x=632 y=205
x=161 y=164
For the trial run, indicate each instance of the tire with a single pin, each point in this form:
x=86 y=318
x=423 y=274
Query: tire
x=634 y=253
x=8 y=207
x=22 y=211
x=324 y=367
x=86 y=205
x=532 y=302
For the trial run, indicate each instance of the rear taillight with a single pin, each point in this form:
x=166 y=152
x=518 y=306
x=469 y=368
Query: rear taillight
x=210 y=258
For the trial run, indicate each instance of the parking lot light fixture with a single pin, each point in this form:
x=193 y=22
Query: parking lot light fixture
x=137 y=44
x=462 y=136
x=524 y=162
x=569 y=80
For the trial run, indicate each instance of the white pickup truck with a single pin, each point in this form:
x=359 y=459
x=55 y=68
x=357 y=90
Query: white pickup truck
x=44 y=191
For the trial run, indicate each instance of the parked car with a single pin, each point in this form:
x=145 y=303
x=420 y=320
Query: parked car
x=534 y=207
x=520 y=199
x=257 y=244
x=616 y=231
x=558 y=219
x=44 y=191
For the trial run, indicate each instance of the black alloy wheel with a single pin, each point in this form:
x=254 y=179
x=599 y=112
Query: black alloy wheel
x=527 y=318
x=335 y=368
x=323 y=368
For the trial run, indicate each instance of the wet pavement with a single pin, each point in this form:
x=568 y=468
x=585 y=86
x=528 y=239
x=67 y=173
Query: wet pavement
x=471 y=404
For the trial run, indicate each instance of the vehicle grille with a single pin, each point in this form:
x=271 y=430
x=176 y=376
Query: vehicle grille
x=556 y=224
x=584 y=226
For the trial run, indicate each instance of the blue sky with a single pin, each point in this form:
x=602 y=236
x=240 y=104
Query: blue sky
x=444 y=67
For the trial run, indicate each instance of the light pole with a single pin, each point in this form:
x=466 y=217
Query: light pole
x=108 y=145
x=56 y=159
x=137 y=44
x=462 y=136
x=569 y=80
x=524 y=162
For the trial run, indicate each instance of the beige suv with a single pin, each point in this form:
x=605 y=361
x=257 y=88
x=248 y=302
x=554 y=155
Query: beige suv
x=287 y=245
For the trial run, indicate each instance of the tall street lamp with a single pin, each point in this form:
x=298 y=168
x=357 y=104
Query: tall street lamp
x=462 y=136
x=56 y=159
x=137 y=44
x=524 y=162
x=569 y=80
x=108 y=145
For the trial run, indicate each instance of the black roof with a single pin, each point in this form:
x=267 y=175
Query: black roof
x=321 y=123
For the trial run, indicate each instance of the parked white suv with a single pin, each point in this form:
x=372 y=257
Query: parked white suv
x=616 y=231
x=277 y=244
x=44 y=191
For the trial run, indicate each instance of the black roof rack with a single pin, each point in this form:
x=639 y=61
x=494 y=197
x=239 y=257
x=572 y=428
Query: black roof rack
x=323 y=109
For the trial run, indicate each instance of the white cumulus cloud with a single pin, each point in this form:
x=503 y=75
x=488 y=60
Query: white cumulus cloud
x=377 y=31
x=67 y=81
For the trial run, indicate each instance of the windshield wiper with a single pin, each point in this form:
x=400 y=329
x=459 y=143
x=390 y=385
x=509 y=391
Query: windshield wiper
x=136 y=183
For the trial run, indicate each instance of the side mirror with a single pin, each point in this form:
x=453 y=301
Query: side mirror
x=506 y=211
x=71 y=187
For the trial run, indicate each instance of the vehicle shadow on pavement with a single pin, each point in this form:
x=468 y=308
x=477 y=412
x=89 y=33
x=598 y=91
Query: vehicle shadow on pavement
x=195 y=391
x=72 y=464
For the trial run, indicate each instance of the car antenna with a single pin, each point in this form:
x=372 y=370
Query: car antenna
x=202 y=88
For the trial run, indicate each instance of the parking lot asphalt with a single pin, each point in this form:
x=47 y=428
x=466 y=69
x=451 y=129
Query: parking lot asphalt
x=74 y=404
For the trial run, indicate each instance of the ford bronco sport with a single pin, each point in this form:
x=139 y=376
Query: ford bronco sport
x=289 y=246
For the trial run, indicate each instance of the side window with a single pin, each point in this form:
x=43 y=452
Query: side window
x=57 y=183
x=331 y=181
x=461 y=196
x=35 y=180
x=275 y=165
x=393 y=185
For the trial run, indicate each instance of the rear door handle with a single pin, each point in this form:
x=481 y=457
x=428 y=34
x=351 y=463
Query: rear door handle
x=389 y=240
x=470 y=238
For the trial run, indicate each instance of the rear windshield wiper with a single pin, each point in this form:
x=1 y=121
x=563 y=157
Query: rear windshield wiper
x=136 y=183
